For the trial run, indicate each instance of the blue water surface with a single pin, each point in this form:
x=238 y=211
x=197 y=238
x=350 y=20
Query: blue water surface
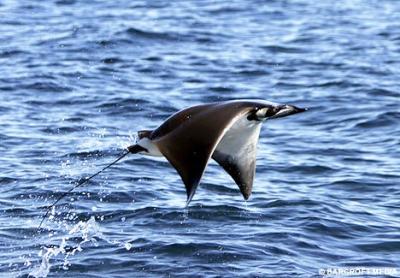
x=79 y=78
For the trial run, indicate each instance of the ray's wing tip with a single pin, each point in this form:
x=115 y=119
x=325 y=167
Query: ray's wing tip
x=246 y=197
x=246 y=194
x=189 y=198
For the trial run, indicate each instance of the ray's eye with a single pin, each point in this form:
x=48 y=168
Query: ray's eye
x=265 y=112
x=261 y=113
x=252 y=115
x=143 y=133
x=270 y=111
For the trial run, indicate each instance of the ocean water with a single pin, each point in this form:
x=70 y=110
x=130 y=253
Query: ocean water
x=79 y=78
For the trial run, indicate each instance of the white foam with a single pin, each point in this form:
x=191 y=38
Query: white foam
x=44 y=269
x=89 y=231
x=86 y=230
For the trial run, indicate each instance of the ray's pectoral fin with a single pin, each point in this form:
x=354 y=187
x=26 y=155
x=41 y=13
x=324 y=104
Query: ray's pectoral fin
x=189 y=142
x=241 y=170
x=236 y=153
x=190 y=161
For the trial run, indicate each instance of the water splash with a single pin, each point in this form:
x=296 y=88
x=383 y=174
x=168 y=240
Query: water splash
x=87 y=231
x=44 y=269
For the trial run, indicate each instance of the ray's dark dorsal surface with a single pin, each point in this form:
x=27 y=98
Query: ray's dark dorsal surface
x=225 y=131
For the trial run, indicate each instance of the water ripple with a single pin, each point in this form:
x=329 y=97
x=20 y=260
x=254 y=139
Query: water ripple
x=77 y=82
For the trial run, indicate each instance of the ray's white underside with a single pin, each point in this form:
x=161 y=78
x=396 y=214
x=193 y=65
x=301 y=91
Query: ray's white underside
x=240 y=141
x=150 y=147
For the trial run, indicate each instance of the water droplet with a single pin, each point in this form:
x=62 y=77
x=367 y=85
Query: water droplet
x=128 y=246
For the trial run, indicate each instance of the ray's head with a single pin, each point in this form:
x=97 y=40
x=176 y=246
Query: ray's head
x=144 y=134
x=144 y=144
x=272 y=111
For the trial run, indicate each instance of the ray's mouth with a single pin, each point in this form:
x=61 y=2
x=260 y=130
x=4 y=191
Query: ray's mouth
x=286 y=110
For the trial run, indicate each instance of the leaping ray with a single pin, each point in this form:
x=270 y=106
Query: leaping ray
x=226 y=131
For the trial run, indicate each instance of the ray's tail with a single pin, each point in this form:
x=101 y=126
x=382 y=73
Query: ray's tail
x=130 y=149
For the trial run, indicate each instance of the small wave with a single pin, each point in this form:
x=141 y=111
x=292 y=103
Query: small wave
x=7 y=88
x=356 y=186
x=135 y=104
x=252 y=72
x=47 y=87
x=225 y=10
x=74 y=119
x=7 y=180
x=111 y=60
x=382 y=120
x=282 y=49
x=153 y=59
x=383 y=246
x=62 y=130
x=330 y=228
x=205 y=40
x=183 y=248
x=221 y=89
x=194 y=80
x=220 y=188
x=151 y=35
x=105 y=43
x=65 y=2
x=308 y=169
x=289 y=203
x=11 y=53
x=18 y=210
x=214 y=252
x=336 y=83
x=383 y=92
